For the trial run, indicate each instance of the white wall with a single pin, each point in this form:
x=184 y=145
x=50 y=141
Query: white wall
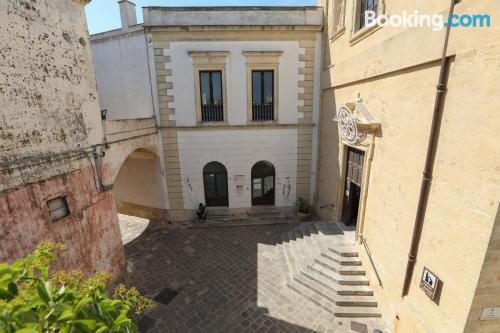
x=122 y=74
x=184 y=87
x=238 y=150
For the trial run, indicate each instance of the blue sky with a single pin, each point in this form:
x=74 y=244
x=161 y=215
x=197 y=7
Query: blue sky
x=104 y=15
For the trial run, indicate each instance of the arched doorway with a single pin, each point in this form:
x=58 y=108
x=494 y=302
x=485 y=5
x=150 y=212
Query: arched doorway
x=138 y=186
x=215 y=183
x=263 y=183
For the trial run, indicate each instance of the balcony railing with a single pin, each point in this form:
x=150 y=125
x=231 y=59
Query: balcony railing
x=262 y=112
x=212 y=113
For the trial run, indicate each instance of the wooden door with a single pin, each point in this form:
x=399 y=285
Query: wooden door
x=352 y=185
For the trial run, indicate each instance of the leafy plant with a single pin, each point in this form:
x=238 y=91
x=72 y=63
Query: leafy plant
x=33 y=301
x=303 y=206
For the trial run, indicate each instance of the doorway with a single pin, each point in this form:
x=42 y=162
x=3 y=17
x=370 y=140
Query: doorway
x=215 y=184
x=352 y=186
x=263 y=175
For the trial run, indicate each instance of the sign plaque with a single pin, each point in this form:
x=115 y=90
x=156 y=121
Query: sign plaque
x=490 y=313
x=429 y=283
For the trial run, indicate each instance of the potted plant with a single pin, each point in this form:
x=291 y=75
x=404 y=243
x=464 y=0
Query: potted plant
x=304 y=210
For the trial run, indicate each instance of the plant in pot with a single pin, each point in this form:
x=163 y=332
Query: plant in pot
x=304 y=210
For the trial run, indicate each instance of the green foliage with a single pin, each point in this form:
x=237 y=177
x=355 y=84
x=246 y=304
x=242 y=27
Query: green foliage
x=303 y=206
x=33 y=301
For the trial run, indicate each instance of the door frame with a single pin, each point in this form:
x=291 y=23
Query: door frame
x=262 y=178
x=347 y=209
x=215 y=186
x=368 y=157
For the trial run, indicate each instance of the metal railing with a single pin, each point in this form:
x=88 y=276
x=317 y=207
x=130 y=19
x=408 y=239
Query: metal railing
x=212 y=113
x=264 y=111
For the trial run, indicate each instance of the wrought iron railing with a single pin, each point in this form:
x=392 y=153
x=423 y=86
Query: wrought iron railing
x=264 y=111
x=212 y=113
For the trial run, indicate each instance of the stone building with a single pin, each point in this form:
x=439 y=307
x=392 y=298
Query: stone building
x=235 y=96
x=378 y=95
x=53 y=182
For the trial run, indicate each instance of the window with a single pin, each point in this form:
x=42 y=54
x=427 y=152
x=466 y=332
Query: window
x=366 y=5
x=212 y=106
x=58 y=208
x=336 y=19
x=263 y=95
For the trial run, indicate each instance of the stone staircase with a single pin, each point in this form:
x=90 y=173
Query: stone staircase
x=265 y=213
x=324 y=268
x=221 y=215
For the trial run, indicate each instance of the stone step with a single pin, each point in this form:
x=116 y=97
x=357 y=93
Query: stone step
x=341 y=289
x=343 y=261
x=280 y=248
x=340 y=269
x=350 y=280
x=289 y=258
x=343 y=251
x=265 y=212
x=332 y=296
x=331 y=307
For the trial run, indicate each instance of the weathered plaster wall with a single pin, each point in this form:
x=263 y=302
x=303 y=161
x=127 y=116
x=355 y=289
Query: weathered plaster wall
x=394 y=72
x=47 y=84
x=50 y=136
x=90 y=233
x=122 y=74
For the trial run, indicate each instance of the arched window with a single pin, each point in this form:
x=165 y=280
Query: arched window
x=263 y=175
x=215 y=183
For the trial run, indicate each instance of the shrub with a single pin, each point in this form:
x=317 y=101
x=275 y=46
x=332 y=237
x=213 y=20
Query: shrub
x=33 y=301
x=303 y=206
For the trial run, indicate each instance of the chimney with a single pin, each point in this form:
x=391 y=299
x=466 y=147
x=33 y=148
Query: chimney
x=127 y=13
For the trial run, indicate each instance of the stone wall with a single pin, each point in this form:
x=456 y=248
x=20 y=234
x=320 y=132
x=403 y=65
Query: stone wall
x=47 y=88
x=51 y=138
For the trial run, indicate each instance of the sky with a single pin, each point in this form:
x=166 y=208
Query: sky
x=104 y=15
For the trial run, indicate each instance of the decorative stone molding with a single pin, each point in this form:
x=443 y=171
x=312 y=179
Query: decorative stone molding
x=357 y=128
x=209 y=57
x=355 y=123
x=263 y=57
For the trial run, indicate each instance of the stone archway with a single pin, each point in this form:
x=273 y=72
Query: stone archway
x=138 y=186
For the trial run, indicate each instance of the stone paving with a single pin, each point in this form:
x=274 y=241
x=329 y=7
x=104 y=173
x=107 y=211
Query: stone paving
x=228 y=279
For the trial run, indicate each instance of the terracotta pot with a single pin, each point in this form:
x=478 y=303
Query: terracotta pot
x=304 y=217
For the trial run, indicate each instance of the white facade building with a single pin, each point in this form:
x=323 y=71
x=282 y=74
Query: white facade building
x=234 y=94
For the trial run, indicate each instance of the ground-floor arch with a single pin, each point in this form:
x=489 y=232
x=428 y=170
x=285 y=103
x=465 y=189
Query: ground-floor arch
x=263 y=183
x=137 y=187
x=215 y=184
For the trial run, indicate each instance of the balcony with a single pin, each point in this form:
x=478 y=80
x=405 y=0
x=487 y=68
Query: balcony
x=212 y=113
x=262 y=111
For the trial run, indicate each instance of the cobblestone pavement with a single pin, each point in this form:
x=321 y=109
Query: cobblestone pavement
x=228 y=279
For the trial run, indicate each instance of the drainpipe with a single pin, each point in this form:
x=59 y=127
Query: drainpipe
x=429 y=160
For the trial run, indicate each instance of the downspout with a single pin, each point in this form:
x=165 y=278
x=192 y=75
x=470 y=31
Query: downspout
x=429 y=159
